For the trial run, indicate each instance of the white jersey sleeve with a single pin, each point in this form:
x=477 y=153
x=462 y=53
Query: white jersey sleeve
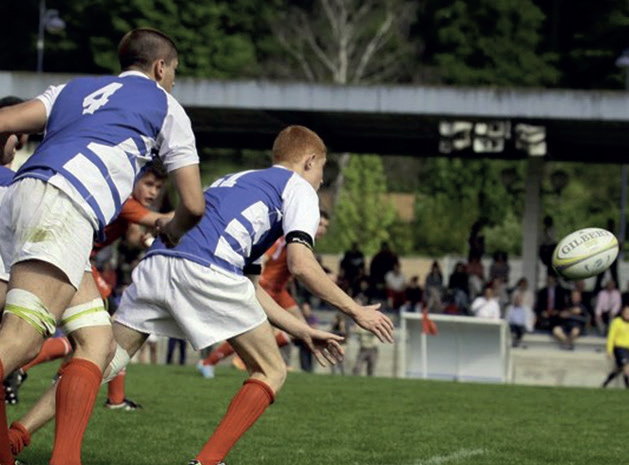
x=300 y=207
x=49 y=97
x=177 y=147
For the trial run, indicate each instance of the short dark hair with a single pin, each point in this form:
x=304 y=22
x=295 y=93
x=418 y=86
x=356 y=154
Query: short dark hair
x=141 y=47
x=156 y=168
x=10 y=101
x=324 y=214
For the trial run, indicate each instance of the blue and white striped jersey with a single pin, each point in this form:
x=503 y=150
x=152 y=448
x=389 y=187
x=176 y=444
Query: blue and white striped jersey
x=6 y=177
x=101 y=131
x=245 y=213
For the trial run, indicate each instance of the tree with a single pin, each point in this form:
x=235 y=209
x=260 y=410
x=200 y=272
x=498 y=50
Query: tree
x=487 y=42
x=347 y=41
x=587 y=45
x=215 y=39
x=362 y=214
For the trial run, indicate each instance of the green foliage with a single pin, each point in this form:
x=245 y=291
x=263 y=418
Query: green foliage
x=215 y=38
x=457 y=192
x=488 y=42
x=362 y=214
x=591 y=198
x=505 y=236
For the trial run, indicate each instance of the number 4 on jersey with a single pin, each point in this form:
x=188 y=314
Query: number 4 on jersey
x=97 y=99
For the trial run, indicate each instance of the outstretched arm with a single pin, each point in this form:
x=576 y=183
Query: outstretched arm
x=325 y=346
x=304 y=266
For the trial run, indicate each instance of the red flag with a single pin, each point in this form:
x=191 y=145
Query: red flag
x=428 y=326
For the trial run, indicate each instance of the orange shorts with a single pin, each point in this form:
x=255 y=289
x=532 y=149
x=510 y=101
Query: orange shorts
x=283 y=298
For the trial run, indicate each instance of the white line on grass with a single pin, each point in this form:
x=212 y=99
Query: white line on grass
x=454 y=457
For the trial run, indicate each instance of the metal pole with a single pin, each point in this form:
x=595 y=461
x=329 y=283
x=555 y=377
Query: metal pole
x=622 y=227
x=40 y=36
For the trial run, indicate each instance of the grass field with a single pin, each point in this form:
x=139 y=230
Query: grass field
x=350 y=421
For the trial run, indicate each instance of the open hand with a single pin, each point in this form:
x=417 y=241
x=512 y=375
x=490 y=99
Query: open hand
x=369 y=318
x=325 y=346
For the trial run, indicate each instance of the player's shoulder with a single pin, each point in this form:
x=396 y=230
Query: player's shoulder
x=6 y=176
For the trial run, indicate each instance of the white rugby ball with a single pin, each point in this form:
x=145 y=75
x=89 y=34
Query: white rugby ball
x=585 y=253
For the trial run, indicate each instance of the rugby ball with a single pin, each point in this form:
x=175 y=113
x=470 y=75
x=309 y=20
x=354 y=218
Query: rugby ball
x=585 y=253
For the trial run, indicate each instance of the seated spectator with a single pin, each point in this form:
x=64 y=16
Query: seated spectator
x=413 y=296
x=395 y=284
x=608 y=305
x=520 y=318
x=550 y=301
x=587 y=298
x=486 y=306
x=458 y=284
x=476 y=277
x=433 y=288
x=524 y=293
x=499 y=269
x=571 y=321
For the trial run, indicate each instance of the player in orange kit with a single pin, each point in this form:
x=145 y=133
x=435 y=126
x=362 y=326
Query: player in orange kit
x=274 y=280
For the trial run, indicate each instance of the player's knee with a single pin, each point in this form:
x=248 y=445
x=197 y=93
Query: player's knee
x=118 y=363
x=30 y=311
x=277 y=377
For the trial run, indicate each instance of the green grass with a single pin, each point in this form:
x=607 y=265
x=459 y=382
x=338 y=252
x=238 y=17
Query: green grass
x=350 y=421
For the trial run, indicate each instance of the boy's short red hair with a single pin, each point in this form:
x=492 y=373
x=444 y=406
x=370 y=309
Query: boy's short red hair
x=293 y=142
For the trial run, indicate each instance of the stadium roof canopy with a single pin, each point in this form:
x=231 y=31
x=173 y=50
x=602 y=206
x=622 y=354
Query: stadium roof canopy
x=409 y=120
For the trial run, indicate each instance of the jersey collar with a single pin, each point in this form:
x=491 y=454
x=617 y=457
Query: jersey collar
x=133 y=73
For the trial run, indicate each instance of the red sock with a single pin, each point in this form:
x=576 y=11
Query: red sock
x=282 y=339
x=244 y=410
x=76 y=395
x=19 y=437
x=218 y=354
x=6 y=457
x=52 y=349
x=115 y=389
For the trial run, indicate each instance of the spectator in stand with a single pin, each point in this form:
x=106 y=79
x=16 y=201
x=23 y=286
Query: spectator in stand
x=367 y=352
x=352 y=268
x=476 y=241
x=571 y=322
x=414 y=296
x=486 y=306
x=608 y=305
x=499 y=269
x=520 y=318
x=618 y=347
x=395 y=283
x=587 y=298
x=433 y=288
x=458 y=284
x=527 y=299
x=476 y=276
x=381 y=264
x=548 y=242
x=613 y=268
x=550 y=301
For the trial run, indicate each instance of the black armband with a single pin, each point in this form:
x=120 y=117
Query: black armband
x=252 y=270
x=300 y=237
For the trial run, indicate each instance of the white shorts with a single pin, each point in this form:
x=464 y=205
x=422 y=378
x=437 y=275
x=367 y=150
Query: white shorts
x=40 y=222
x=175 y=297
